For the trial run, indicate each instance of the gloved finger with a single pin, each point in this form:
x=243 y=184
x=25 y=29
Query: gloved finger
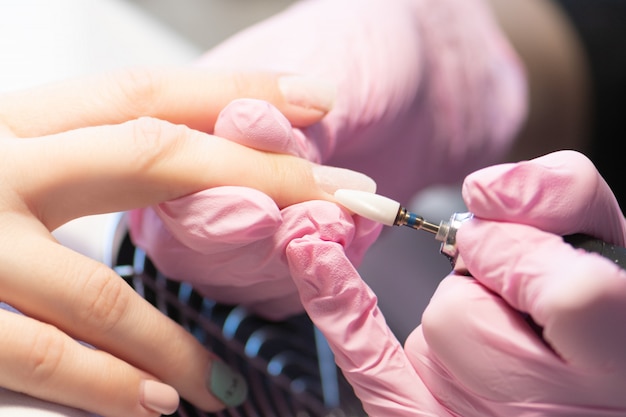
x=260 y=125
x=218 y=219
x=345 y=309
x=147 y=161
x=576 y=296
x=479 y=356
x=561 y=192
x=258 y=273
x=88 y=301
x=227 y=218
x=191 y=96
x=43 y=362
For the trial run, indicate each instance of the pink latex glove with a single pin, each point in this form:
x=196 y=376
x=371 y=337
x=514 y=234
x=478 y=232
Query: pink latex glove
x=229 y=242
x=474 y=353
x=426 y=91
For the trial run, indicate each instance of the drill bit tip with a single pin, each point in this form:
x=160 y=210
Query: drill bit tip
x=369 y=205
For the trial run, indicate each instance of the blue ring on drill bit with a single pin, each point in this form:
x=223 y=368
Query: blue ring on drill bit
x=414 y=220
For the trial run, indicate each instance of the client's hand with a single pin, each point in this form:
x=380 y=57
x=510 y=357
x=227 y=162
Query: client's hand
x=229 y=242
x=475 y=354
x=56 y=168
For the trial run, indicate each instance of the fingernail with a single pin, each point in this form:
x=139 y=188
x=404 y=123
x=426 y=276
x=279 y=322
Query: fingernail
x=159 y=397
x=330 y=179
x=226 y=384
x=307 y=92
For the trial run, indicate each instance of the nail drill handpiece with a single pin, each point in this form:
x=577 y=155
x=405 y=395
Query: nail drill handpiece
x=389 y=212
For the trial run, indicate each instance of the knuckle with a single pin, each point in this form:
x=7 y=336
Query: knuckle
x=106 y=300
x=44 y=356
x=139 y=89
x=155 y=140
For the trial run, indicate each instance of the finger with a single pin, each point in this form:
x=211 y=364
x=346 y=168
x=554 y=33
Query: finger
x=191 y=96
x=345 y=310
x=89 y=302
x=144 y=162
x=576 y=296
x=260 y=125
x=561 y=192
x=43 y=362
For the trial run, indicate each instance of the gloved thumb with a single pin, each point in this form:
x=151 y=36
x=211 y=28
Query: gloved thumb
x=259 y=125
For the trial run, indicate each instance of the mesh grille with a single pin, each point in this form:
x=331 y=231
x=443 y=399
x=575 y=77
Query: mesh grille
x=288 y=366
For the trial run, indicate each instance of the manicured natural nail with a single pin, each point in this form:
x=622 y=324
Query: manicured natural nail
x=159 y=397
x=330 y=179
x=226 y=384
x=307 y=92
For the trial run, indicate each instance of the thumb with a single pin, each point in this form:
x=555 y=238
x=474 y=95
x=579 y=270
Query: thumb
x=576 y=297
x=345 y=310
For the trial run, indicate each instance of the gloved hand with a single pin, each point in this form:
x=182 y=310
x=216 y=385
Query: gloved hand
x=425 y=90
x=229 y=242
x=413 y=101
x=475 y=353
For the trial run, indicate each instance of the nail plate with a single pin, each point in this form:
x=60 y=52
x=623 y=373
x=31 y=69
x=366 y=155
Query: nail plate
x=307 y=92
x=158 y=397
x=226 y=384
x=331 y=179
